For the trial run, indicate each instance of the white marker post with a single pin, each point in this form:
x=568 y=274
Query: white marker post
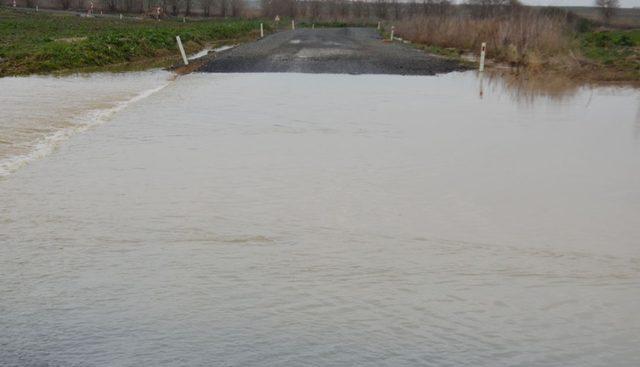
x=120 y=16
x=261 y=30
x=293 y=25
x=393 y=28
x=313 y=26
x=379 y=25
x=483 y=49
x=184 y=56
x=36 y=8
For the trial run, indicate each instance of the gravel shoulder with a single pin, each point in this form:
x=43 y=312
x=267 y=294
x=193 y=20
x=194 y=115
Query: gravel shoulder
x=329 y=50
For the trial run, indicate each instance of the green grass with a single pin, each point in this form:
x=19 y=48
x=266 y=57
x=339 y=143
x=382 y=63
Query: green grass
x=616 y=49
x=45 y=43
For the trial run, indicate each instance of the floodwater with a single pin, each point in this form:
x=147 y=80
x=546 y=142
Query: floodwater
x=328 y=220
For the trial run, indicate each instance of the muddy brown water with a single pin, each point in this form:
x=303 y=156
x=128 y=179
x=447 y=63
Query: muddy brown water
x=305 y=219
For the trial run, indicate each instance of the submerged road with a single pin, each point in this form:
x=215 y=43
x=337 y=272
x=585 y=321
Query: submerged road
x=329 y=50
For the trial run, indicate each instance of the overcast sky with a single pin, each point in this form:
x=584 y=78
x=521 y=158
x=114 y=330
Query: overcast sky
x=623 y=3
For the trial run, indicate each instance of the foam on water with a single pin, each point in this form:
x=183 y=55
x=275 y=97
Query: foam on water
x=206 y=51
x=81 y=118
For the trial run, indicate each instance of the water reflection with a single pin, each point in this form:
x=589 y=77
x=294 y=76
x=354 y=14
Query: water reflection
x=527 y=88
x=637 y=126
x=524 y=87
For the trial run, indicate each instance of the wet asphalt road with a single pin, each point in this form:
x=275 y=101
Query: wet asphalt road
x=329 y=50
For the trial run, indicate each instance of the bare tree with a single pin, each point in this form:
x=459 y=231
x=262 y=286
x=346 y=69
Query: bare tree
x=302 y=9
x=187 y=7
x=292 y=8
x=397 y=9
x=343 y=9
x=381 y=9
x=224 y=8
x=271 y=8
x=607 y=8
x=487 y=8
x=175 y=6
x=206 y=7
x=314 y=9
x=443 y=7
x=110 y=5
x=237 y=8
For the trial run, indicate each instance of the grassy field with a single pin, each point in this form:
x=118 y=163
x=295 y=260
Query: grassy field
x=614 y=49
x=44 y=43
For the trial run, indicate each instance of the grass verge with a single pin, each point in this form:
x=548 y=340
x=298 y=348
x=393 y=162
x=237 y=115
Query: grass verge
x=45 y=43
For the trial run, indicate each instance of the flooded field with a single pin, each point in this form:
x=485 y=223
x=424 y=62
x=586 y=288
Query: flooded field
x=329 y=220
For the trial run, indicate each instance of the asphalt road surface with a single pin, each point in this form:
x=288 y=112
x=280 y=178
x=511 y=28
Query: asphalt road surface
x=329 y=50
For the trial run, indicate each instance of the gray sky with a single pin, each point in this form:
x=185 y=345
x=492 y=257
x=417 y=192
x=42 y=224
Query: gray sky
x=623 y=3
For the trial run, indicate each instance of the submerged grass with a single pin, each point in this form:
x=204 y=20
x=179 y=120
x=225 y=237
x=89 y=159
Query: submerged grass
x=44 y=43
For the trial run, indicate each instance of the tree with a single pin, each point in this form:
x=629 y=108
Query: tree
x=397 y=9
x=487 y=8
x=187 y=7
x=111 y=5
x=237 y=8
x=174 y=6
x=607 y=8
x=224 y=8
x=381 y=9
x=206 y=7
x=314 y=9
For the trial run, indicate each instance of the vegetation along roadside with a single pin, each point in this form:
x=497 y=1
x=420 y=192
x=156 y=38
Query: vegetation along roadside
x=532 y=40
x=47 y=42
x=578 y=44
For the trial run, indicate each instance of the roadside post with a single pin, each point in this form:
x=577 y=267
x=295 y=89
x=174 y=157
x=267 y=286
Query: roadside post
x=121 y=16
x=293 y=25
x=378 y=25
x=261 y=30
x=184 y=56
x=483 y=49
x=313 y=26
x=36 y=8
x=393 y=28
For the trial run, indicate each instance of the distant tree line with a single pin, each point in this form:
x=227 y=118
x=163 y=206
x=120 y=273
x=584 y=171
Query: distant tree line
x=207 y=8
x=381 y=9
x=328 y=10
